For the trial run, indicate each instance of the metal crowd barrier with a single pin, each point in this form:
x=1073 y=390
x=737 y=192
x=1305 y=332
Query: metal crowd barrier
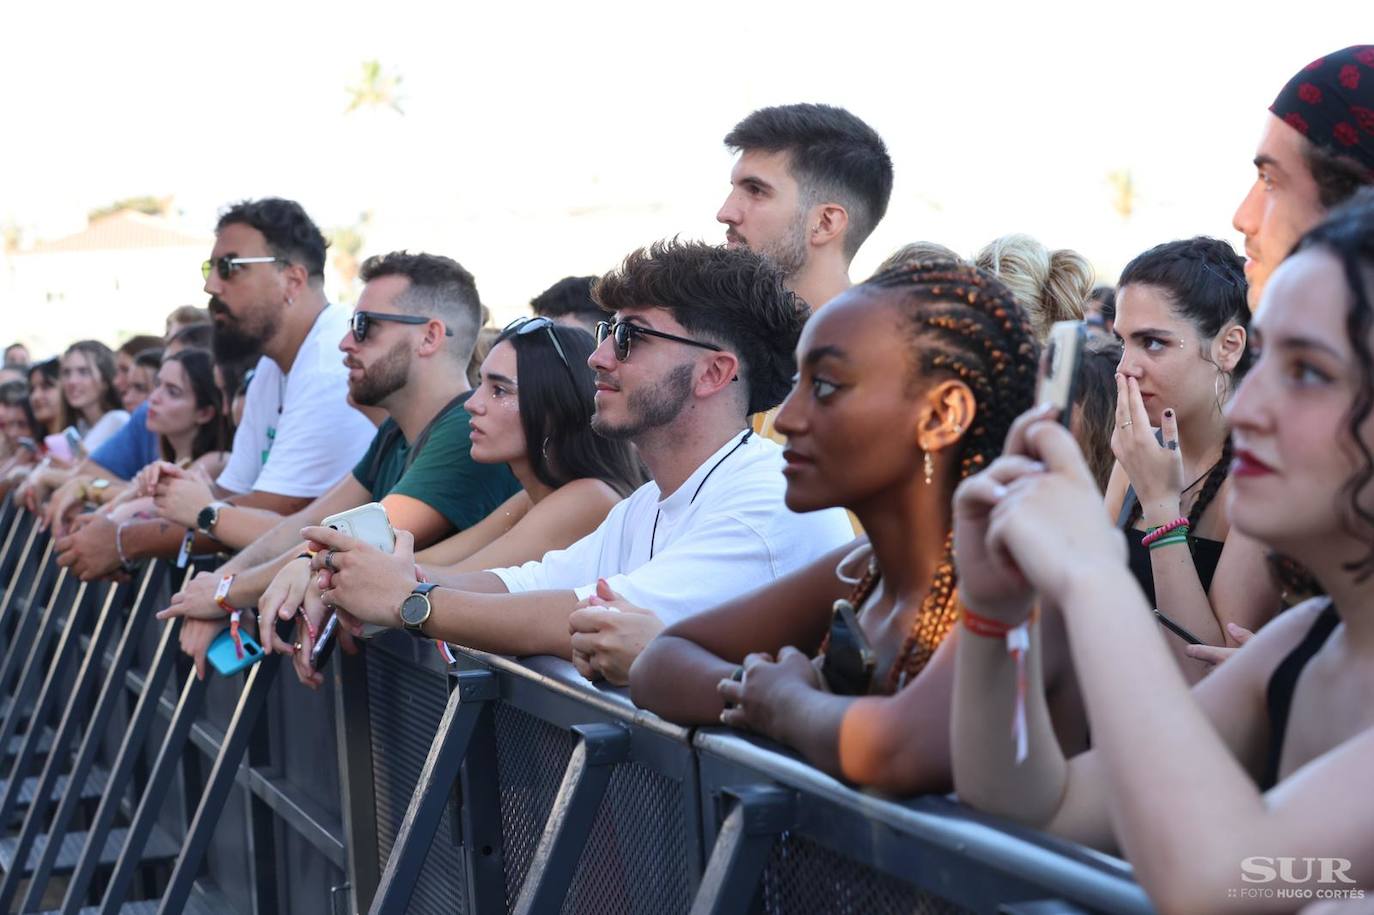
x=549 y=794
x=127 y=785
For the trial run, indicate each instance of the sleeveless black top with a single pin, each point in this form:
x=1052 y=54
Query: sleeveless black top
x=1279 y=695
x=1206 y=553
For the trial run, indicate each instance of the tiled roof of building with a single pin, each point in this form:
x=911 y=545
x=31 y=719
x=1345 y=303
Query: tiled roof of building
x=126 y=229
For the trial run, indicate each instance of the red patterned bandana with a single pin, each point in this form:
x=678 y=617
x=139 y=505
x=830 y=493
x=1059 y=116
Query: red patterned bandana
x=1331 y=102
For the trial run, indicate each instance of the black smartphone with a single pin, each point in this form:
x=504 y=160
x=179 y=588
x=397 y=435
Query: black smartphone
x=324 y=645
x=849 y=660
x=1176 y=629
x=1057 y=382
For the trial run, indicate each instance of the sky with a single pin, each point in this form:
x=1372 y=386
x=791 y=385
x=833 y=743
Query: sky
x=541 y=140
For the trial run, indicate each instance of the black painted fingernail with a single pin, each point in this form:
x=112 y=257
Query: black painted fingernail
x=1169 y=413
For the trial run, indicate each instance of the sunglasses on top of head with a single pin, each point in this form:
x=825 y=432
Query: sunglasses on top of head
x=623 y=333
x=521 y=326
x=230 y=264
x=361 y=322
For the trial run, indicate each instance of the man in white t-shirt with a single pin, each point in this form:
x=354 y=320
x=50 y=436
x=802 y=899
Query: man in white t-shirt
x=299 y=435
x=701 y=338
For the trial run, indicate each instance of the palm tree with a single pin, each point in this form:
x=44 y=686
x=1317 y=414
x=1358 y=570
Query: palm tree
x=375 y=89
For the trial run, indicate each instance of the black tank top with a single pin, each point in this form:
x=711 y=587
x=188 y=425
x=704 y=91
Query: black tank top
x=1206 y=553
x=1279 y=695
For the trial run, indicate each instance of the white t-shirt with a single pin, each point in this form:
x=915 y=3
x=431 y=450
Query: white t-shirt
x=103 y=430
x=735 y=536
x=301 y=421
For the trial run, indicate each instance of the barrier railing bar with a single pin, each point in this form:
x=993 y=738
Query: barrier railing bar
x=323 y=832
x=760 y=814
x=560 y=847
x=236 y=738
x=479 y=817
x=150 y=804
x=159 y=672
x=358 y=808
x=144 y=607
x=35 y=654
x=22 y=562
x=473 y=690
x=19 y=651
x=73 y=718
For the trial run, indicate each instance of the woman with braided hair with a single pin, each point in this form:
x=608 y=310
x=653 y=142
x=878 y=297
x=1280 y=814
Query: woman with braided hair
x=1181 y=315
x=908 y=384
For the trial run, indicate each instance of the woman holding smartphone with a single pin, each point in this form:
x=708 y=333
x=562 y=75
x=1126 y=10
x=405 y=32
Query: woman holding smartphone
x=1181 y=315
x=532 y=411
x=908 y=384
x=1262 y=757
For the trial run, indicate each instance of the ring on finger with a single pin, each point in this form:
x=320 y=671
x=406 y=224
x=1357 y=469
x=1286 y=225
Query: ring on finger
x=1129 y=422
x=329 y=561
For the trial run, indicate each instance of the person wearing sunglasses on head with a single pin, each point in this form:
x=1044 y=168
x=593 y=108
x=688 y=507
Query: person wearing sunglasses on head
x=265 y=278
x=849 y=660
x=701 y=338
x=531 y=411
x=406 y=349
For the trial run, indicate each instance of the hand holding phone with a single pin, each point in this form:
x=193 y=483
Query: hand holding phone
x=370 y=524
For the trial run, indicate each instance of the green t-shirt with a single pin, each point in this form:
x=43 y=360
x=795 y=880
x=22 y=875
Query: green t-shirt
x=443 y=476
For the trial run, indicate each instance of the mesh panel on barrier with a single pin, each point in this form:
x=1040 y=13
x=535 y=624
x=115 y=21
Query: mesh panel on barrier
x=406 y=703
x=531 y=756
x=636 y=859
x=804 y=877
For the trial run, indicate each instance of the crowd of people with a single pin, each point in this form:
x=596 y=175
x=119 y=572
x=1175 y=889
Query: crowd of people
x=833 y=514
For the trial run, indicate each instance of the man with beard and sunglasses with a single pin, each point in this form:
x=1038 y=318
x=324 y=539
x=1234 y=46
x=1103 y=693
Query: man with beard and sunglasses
x=810 y=185
x=701 y=338
x=406 y=351
x=265 y=278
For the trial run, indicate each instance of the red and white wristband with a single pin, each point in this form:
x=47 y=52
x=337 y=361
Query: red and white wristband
x=222 y=601
x=1018 y=644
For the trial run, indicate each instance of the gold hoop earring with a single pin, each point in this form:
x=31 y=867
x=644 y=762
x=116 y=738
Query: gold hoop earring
x=930 y=469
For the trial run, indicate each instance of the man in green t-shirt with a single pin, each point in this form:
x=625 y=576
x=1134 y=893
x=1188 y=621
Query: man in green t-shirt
x=407 y=350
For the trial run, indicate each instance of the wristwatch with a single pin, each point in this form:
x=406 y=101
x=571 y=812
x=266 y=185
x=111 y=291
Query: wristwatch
x=415 y=609
x=209 y=517
x=95 y=490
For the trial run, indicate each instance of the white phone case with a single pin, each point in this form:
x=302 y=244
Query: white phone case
x=367 y=523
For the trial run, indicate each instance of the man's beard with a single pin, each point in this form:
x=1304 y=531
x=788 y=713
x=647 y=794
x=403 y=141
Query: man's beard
x=385 y=377
x=651 y=408
x=789 y=252
x=232 y=341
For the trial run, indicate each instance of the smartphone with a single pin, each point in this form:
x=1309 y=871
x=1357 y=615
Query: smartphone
x=28 y=444
x=1176 y=629
x=324 y=645
x=74 y=442
x=223 y=655
x=369 y=524
x=58 y=446
x=1057 y=382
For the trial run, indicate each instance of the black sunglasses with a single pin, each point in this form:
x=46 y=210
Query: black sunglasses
x=230 y=264
x=623 y=333
x=361 y=322
x=521 y=326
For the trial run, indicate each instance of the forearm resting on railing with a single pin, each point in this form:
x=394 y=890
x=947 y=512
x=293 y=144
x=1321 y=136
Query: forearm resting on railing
x=986 y=774
x=676 y=679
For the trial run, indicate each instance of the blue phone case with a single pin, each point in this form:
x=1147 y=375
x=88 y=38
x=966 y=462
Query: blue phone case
x=224 y=657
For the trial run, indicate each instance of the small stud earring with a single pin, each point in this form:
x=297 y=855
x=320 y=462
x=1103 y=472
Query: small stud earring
x=930 y=469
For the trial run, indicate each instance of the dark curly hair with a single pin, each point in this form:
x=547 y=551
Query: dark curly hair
x=1338 y=177
x=1348 y=235
x=733 y=297
x=832 y=155
x=1205 y=280
x=965 y=324
x=290 y=233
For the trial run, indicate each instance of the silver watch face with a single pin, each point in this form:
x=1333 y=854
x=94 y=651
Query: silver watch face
x=415 y=610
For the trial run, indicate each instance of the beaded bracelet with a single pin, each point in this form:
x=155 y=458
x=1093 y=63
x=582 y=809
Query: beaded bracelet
x=1168 y=541
x=1163 y=530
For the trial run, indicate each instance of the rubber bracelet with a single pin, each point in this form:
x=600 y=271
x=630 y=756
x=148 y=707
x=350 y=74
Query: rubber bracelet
x=1163 y=530
x=991 y=628
x=1168 y=541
